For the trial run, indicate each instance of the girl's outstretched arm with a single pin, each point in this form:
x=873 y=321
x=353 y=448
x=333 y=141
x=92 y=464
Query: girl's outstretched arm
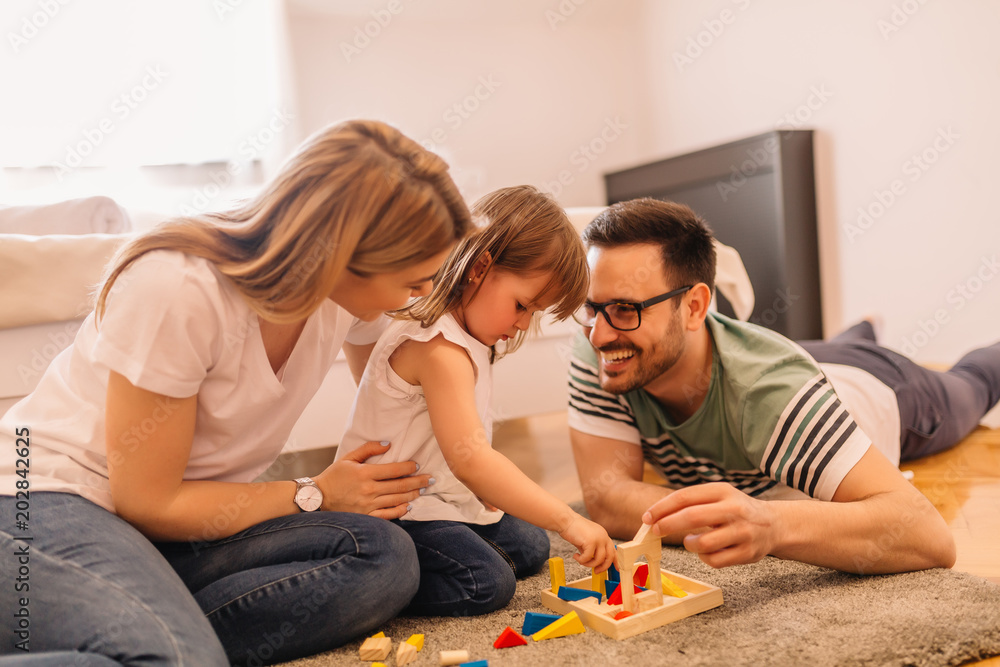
x=446 y=374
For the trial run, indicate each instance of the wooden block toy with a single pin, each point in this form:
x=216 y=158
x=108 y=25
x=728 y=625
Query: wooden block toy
x=568 y=593
x=611 y=620
x=570 y=624
x=597 y=580
x=557 y=573
x=640 y=577
x=406 y=653
x=647 y=600
x=509 y=638
x=609 y=587
x=379 y=635
x=416 y=640
x=379 y=664
x=533 y=621
x=375 y=648
x=453 y=657
x=670 y=588
x=612 y=572
x=616 y=595
x=475 y=663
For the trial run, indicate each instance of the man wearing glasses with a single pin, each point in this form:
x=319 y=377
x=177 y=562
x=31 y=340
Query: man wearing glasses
x=748 y=428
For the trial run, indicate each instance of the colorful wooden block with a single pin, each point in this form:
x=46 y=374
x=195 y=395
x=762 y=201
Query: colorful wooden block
x=453 y=657
x=509 y=638
x=375 y=648
x=557 y=573
x=533 y=622
x=379 y=664
x=622 y=614
x=641 y=575
x=567 y=593
x=570 y=624
x=597 y=580
x=670 y=588
x=616 y=596
x=613 y=574
x=378 y=636
x=475 y=663
x=417 y=641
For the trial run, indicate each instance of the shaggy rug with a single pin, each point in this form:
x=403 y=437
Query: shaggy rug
x=775 y=612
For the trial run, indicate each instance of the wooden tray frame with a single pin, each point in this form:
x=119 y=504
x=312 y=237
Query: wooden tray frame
x=700 y=597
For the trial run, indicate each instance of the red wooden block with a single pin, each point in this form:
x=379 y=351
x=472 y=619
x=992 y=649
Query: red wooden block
x=616 y=597
x=508 y=638
x=624 y=613
x=641 y=575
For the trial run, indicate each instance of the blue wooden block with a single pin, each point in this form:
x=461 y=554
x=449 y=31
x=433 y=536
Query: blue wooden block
x=533 y=622
x=570 y=593
x=477 y=663
x=609 y=587
x=613 y=573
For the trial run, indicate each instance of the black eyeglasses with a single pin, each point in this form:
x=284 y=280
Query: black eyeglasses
x=621 y=315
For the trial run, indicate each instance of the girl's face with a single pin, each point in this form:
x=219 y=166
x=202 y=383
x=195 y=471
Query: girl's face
x=369 y=297
x=503 y=305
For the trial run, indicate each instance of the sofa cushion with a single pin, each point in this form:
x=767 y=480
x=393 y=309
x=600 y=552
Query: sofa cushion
x=90 y=215
x=51 y=278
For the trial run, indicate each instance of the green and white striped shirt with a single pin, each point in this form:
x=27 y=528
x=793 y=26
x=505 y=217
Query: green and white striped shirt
x=770 y=417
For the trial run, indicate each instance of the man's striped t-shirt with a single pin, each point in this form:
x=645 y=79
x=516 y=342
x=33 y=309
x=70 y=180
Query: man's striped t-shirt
x=770 y=417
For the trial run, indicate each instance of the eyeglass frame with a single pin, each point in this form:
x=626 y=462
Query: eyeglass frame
x=599 y=308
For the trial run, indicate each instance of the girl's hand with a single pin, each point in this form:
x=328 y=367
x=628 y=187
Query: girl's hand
x=596 y=550
x=382 y=490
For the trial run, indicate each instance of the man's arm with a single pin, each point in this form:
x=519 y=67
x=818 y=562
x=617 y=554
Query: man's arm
x=876 y=523
x=611 y=477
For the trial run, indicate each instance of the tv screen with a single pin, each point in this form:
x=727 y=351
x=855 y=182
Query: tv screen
x=758 y=196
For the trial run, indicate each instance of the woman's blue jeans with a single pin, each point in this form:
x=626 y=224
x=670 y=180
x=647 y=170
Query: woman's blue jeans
x=102 y=594
x=467 y=569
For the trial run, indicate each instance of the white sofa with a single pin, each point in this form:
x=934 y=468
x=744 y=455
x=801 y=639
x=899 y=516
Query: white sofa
x=52 y=257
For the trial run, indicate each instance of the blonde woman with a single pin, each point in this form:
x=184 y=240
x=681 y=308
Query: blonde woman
x=427 y=390
x=209 y=337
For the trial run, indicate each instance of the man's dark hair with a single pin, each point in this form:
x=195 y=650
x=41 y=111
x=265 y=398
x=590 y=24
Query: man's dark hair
x=685 y=240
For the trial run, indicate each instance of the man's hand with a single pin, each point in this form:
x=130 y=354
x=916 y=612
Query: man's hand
x=721 y=524
x=380 y=489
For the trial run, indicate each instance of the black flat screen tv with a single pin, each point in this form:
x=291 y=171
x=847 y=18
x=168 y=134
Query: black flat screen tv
x=758 y=195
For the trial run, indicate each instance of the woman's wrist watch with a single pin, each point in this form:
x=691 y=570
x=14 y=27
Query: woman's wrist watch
x=307 y=494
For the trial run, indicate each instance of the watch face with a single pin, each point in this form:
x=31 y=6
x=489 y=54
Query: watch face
x=309 y=498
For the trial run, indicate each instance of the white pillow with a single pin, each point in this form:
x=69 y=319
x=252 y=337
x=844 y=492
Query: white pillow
x=90 y=215
x=51 y=278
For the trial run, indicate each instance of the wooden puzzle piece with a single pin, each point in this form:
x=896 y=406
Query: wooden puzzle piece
x=453 y=657
x=570 y=624
x=509 y=638
x=375 y=648
x=405 y=654
x=569 y=593
x=533 y=622
x=557 y=573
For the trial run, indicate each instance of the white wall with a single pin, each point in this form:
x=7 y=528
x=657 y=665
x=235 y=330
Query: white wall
x=514 y=90
x=886 y=80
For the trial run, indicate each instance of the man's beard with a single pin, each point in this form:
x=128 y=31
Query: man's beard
x=645 y=366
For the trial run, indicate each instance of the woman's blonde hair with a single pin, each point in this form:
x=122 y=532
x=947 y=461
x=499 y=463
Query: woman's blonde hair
x=526 y=231
x=356 y=196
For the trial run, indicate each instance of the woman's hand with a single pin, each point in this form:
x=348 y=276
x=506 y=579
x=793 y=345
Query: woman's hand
x=596 y=550
x=382 y=490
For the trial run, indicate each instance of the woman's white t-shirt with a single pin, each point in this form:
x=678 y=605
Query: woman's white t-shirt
x=387 y=408
x=175 y=326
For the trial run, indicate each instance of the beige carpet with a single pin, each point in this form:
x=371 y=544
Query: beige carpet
x=775 y=613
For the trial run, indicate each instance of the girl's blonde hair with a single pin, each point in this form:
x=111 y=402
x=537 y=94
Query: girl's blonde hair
x=356 y=196
x=525 y=231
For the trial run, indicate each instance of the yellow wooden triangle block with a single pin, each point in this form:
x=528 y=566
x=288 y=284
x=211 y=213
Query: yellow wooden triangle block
x=416 y=640
x=378 y=636
x=670 y=588
x=570 y=624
